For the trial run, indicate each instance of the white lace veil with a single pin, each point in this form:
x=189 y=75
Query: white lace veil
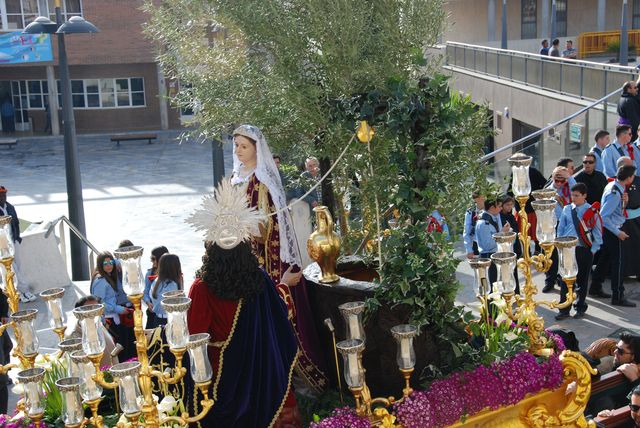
x=268 y=174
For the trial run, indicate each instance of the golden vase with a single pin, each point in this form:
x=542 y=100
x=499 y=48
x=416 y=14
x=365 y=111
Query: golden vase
x=324 y=245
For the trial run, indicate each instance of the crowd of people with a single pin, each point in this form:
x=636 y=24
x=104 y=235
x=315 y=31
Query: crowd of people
x=554 y=51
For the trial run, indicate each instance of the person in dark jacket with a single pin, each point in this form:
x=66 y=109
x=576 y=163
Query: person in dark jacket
x=629 y=107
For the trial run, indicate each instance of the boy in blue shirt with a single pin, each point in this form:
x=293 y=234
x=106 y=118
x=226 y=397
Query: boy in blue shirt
x=579 y=219
x=488 y=224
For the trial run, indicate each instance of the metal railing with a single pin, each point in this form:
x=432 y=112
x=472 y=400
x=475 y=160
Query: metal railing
x=61 y=222
x=577 y=78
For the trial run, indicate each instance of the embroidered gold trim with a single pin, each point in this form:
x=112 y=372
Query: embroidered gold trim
x=224 y=348
x=286 y=394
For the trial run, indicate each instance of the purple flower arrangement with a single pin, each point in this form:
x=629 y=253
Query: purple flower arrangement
x=343 y=417
x=464 y=394
x=7 y=421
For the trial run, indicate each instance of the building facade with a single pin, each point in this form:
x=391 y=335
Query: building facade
x=116 y=83
x=529 y=21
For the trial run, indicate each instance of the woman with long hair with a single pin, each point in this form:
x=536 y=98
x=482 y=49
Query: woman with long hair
x=276 y=248
x=149 y=277
x=106 y=285
x=169 y=279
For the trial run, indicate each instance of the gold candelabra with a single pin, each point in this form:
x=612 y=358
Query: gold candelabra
x=352 y=349
x=544 y=205
x=134 y=380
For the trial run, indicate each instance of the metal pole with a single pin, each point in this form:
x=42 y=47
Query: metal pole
x=554 y=21
x=624 y=36
x=79 y=256
x=503 y=45
x=218 y=162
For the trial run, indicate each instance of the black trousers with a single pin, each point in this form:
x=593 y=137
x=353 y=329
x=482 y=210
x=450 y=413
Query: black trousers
x=551 y=276
x=584 y=258
x=600 y=272
x=613 y=249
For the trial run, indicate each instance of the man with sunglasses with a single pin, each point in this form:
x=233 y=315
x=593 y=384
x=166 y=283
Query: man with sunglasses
x=592 y=178
x=634 y=406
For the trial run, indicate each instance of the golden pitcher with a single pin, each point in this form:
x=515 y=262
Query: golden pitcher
x=324 y=245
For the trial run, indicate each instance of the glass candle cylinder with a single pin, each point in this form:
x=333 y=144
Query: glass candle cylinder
x=67 y=347
x=546 y=220
x=404 y=334
x=72 y=411
x=521 y=184
x=201 y=370
x=25 y=322
x=90 y=318
x=132 y=280
x=567 y=265
x=352 y=314
x=541 y=194
x=6 y=238
x=480 y=278
x=84 y=369
x=505 y=241
x=505 y=262
x=350 y=350
x=53 y=297
x=126 y=374
x=31 y=380
x=176 y=330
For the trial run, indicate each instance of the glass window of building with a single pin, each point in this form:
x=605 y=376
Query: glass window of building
x=529 y=21
x=561 y=18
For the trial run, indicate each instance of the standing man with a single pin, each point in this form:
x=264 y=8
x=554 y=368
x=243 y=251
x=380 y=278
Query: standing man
x=594 y=180
x=312 y=176
x=580 y=220
x=471 y=217
x=614 y=201
x=545 y=47
x=7 y=209
x=621 y=146
x=602 y=141
x=562 y=182
x=488 y=224
x=569 y=51
x=629 y=107
x=555 y=48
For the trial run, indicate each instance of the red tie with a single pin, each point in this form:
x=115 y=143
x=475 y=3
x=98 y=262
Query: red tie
x=630 y=151
x=566 y=194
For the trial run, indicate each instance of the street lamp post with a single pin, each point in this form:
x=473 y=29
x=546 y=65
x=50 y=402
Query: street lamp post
x=624 y=36
x=77 y=24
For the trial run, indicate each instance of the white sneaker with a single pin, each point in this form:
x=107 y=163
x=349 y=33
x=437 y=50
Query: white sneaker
x=27 y=297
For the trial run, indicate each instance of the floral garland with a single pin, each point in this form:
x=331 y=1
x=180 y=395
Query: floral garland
x=464 y=394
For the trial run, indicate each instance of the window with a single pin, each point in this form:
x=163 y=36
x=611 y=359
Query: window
x=529 y=19
x=635 y=22
x=561 y=18
x=88 y=93
x=69 y=8
x=17 y=14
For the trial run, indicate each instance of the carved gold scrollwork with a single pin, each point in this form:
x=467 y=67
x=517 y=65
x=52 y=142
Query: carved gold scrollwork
x=575 y=369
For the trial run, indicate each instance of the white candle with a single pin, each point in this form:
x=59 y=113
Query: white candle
x=132 y=276
x=354 y=327
x=178 y=333
x=354 y=369
x=55 y=313
x=198 y=363
x=129 y=390
x=33 y=399
x=74 y=407
x=91 y=389
x=27 y=336
x=4 y=242
x=497 y=287
x=505 y=275
x=405 y=353
x=91 y=334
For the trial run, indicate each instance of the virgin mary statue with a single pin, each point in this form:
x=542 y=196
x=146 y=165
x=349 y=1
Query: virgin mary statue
x=276 y=247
